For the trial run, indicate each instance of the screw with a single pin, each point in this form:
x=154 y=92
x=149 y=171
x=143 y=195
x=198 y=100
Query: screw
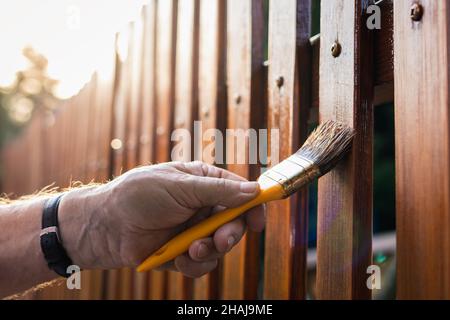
x=279 y=81
x=416 y=12
x=237 y=99
x=336 y=49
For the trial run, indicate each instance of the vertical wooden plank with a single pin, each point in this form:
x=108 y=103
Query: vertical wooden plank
x=422 y=150
x=345 y=194
x=83 y=121
x=93 y=126
x=164 y=100
x=135 y=92
x=246 y=108
x=186 y=103
x=104 y=105
x=289 y=67
x=146 y=154
x=212 y=101
x=35 y=157
x=111 y=276
x=121 y=103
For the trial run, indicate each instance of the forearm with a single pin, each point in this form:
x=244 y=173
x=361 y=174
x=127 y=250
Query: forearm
x=118 y=224
x=22 y=264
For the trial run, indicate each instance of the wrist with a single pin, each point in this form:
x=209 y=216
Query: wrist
x=77 y=224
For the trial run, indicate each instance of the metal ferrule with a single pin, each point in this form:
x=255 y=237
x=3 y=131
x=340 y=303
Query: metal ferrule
x=293 y=173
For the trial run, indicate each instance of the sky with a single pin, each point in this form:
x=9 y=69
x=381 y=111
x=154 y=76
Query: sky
x=76 y=36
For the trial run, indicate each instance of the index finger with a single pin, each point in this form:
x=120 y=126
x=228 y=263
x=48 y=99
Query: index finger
x=203 y=169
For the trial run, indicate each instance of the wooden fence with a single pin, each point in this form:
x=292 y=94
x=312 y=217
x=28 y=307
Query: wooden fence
x=206 y=60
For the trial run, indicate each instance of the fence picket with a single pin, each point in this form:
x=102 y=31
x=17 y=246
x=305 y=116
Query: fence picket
x=344 y=227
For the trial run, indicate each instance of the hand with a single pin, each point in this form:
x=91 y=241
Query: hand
x=127 y=219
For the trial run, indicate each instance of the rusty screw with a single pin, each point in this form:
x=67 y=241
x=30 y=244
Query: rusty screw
x=336 y=49
x=279 y=81
x=416 y=12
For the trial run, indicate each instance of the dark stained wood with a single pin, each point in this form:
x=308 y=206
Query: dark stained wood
x=345 y=194
x=246 y=108
x=286 y=228
x=383 y=50
x=212 y=102
x=146 y=96
x=422 y=150
x=383 y=60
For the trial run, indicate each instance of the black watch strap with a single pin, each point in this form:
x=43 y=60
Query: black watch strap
x=51 y=244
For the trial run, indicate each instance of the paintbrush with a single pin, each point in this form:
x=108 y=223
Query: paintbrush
x=326 y=145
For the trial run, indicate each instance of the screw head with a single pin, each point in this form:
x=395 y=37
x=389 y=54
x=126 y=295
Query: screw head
x=336 y=49
x=237 y=99
x=279 y=81
x=416 y=12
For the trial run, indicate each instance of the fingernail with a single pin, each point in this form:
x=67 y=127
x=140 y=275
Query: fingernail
x=230 y=242
x=202 y=251
x=249 y=187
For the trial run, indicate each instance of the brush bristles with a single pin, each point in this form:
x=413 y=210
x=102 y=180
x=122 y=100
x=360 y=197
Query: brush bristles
x=327 y=144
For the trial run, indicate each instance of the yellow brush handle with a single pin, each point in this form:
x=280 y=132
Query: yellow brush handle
x=180 y=243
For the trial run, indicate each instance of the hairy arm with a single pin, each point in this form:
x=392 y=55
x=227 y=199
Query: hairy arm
x=22 y=263
x=120 y=223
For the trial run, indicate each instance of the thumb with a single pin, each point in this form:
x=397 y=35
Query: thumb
x=224 y=192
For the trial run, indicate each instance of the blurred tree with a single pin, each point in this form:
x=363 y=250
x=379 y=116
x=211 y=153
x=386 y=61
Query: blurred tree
x=31 y=91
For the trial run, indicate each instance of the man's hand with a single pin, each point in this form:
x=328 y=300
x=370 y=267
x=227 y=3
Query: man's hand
x=124 y=221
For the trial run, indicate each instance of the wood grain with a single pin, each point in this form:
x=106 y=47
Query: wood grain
x=383 y=61
x=288 y=101
x=146 y=154
x=212 y=102
x=115 y=284
x=91 y=279
x=246 y=108
x=345 y=194
x=125 y=282
x=186 y=109
x=135 y=92
x=145 y=121
x=422 y=150
x=166 y=17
